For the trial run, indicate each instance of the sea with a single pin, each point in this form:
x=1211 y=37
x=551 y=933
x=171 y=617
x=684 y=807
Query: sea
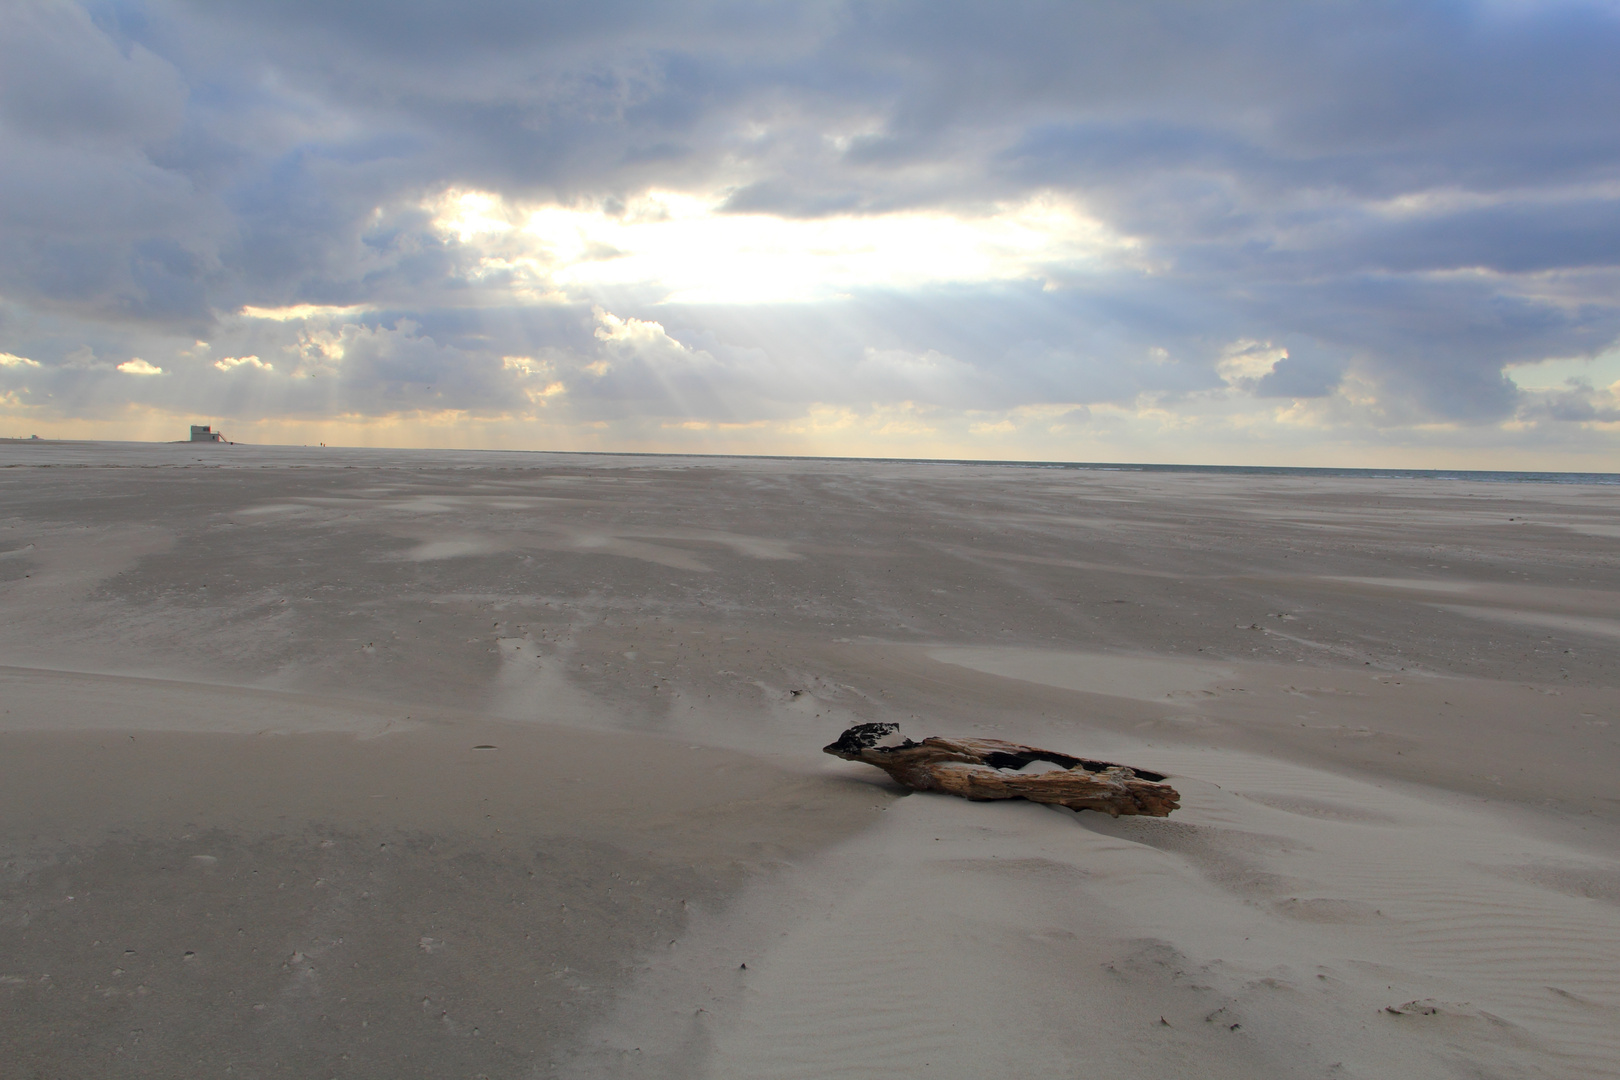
x=88 y=452
x=1475 y=475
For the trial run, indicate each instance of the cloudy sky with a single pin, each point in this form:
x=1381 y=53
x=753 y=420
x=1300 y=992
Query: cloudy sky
x=1215 y=232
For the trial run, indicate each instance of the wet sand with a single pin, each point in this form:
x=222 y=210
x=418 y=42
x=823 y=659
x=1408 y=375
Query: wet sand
x=389 y=763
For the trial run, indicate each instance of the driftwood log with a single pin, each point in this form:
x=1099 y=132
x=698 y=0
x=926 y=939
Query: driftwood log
x=982 y=769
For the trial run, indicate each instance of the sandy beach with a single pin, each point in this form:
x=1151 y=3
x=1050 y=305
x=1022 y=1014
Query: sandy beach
x=350 y=763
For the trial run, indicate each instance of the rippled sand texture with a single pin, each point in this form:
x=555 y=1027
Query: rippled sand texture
x=389 y=764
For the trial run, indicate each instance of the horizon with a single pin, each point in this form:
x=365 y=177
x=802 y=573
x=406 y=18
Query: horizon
x=1372 y=237
x=1370 y=471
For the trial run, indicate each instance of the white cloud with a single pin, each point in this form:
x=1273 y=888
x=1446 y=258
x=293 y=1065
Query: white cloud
x=636 y=333
x=300 y=312
x=231 y=363
x=535 y=368
x=525 y=365
x=137 y=366
x=1245 y=363
x=692 y=251
x=641 y=339
x=540 y=395
x=10 y=360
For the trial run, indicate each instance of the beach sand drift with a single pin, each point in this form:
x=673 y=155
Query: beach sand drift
x=369 y=763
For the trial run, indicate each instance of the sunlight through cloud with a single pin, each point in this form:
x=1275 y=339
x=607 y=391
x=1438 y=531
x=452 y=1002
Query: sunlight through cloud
x=696 y=254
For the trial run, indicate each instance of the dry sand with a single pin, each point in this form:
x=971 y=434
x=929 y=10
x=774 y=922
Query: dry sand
x=386 y=764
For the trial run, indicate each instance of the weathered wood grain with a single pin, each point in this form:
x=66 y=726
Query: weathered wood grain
x=982 y=769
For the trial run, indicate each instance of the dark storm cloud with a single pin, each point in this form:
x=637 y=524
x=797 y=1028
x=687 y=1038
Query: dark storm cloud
x=1378 y=188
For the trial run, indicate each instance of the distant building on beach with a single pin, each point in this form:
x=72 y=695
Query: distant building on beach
x=206 y=433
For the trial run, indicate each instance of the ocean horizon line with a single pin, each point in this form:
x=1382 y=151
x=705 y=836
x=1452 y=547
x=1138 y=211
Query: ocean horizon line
x=1549 y=476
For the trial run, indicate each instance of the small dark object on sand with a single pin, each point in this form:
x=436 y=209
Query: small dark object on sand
x=981 y=769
